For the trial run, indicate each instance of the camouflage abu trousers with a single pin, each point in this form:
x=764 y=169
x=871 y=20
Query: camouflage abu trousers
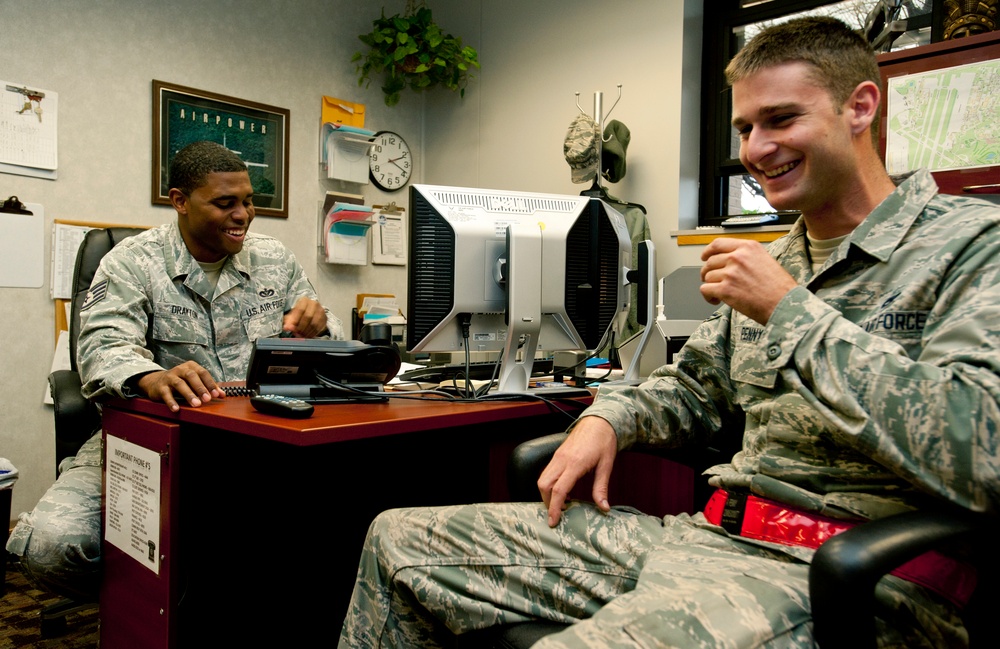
x=59 y=541
x=624 y=579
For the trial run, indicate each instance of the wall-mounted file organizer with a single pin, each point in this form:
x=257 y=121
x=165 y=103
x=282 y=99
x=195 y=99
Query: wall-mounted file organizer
x=344 y=152
x=347 y=243
x=345 y=234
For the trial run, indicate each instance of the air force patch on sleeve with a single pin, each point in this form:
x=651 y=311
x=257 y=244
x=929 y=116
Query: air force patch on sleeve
x=96 y=293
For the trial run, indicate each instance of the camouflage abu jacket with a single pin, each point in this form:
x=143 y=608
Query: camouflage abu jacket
x=872 y=389
x=151 y=307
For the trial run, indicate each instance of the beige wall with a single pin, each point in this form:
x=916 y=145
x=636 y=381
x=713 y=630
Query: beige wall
x=508 y=132
x=101 y=57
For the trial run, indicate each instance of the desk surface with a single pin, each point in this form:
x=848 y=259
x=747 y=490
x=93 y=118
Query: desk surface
x=349 y=421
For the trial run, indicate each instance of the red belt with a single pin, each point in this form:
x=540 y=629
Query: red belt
x=754 y=517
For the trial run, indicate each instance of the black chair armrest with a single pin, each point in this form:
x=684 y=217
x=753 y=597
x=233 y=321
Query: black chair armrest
x=527 y=462
x=531 y=457
x=76 y=418
x=846 y=568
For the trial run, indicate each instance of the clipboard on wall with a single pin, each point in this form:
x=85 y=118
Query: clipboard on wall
x=389 y=235
x=22 y=244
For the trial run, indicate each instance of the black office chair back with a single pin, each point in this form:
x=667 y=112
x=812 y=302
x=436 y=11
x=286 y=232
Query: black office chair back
x=96 y=243
x=75 y=417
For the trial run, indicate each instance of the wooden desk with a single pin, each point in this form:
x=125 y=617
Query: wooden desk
x=262 y=519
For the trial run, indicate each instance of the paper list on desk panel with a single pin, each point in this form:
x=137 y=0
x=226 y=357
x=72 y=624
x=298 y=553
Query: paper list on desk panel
x=132 y=496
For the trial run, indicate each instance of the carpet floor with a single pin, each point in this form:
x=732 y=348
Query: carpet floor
x=20 y=622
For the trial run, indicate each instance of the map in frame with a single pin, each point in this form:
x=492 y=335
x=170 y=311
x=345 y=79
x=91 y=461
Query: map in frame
x=947 y=118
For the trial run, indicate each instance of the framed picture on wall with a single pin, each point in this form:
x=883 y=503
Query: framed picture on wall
x=939 y=111
x=256 y=132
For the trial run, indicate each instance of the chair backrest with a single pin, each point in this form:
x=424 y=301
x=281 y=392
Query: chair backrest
x=96 y=243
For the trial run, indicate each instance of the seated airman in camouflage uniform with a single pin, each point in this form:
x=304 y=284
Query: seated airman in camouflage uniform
x=171 y=312
x=858 y=356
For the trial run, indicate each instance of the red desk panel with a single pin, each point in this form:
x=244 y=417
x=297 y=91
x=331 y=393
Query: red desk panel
x=262 y=518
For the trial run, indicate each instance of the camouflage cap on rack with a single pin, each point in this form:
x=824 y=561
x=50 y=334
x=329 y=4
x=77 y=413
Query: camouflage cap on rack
x=581 y=148
x=616 y=138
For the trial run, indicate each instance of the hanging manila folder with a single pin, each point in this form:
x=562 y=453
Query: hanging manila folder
x=348 y=113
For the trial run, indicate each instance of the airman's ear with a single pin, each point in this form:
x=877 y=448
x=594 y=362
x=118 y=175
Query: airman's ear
x=863 y=106
x=179 y=200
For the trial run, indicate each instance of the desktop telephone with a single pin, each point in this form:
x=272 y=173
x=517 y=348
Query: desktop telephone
x=321 y=371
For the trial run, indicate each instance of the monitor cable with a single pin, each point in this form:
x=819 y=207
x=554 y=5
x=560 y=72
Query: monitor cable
x=469 y=390
x=437 y=395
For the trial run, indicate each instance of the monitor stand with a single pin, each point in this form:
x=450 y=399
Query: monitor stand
x=644 y=276
x=523 y=308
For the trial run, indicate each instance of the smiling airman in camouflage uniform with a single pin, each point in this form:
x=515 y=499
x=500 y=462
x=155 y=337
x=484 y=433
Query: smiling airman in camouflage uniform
x=868 y=387
x=199 y=291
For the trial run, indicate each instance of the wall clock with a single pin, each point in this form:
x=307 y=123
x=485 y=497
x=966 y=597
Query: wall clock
x=390 y=163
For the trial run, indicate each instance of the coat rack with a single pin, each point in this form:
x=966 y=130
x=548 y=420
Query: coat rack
x=599 y=118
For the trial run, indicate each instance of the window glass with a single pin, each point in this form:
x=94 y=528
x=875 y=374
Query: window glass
x=854 y=13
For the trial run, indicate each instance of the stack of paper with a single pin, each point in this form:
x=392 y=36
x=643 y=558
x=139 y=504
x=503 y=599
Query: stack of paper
x=340 y=211
x=383 y=313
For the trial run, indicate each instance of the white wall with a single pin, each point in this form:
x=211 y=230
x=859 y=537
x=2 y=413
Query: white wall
x=101 y=57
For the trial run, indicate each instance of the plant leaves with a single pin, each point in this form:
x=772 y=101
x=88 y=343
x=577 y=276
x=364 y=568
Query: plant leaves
x=412 y=51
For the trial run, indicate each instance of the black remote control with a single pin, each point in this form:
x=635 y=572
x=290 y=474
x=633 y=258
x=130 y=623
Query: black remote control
x=275 y=404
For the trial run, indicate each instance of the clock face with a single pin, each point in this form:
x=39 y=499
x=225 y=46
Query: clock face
x=390 y=163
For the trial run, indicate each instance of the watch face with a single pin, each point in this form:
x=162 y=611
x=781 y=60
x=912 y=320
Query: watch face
x=390 y=162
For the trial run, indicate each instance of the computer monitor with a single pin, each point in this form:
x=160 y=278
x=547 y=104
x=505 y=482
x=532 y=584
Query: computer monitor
x=513 y=272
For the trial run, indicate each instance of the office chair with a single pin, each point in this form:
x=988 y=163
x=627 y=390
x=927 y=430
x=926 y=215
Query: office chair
x=76 y=419
x=843 y=573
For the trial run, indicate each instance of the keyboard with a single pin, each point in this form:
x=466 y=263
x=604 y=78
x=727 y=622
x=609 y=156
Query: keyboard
x=479 y=371
x=314 y=393
x=749 y=220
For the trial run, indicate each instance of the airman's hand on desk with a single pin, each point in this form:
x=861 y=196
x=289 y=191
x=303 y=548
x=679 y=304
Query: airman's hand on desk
x=741 y=273
x=591 y=446
x=189 y=380
x=307 y=319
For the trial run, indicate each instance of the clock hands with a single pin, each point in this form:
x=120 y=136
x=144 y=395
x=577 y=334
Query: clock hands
x=393 y=161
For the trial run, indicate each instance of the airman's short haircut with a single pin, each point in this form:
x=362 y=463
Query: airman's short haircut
x=190 y=167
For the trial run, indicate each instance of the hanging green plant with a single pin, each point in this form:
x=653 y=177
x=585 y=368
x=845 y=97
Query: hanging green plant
x=410 y=50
